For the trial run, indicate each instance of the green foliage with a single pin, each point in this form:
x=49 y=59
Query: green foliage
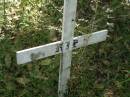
x=101 y=70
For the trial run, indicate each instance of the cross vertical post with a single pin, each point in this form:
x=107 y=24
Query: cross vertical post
x=63 y=47
x=70 y=7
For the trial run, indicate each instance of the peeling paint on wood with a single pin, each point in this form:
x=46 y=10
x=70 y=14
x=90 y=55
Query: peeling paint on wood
x=51 y=49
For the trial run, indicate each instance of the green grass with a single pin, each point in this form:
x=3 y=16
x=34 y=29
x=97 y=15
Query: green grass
x=96 y=70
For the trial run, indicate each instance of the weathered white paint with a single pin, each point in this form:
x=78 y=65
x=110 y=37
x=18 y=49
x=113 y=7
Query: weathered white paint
x=65 y=46
x=25 y=56
x=70 y=7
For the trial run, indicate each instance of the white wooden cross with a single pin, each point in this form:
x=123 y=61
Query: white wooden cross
x=65 y=46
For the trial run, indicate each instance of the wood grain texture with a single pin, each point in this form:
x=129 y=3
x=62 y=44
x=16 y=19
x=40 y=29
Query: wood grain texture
x=25 y=56
x=70 y=7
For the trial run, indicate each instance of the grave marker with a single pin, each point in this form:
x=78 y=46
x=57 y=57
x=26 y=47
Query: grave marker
x=63 y=47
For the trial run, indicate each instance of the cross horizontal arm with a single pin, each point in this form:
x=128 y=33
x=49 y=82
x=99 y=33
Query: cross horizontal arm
x=28 y=55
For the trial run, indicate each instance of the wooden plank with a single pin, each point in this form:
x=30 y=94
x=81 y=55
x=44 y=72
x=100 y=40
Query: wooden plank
x=51 y=49
x=28 y=55
x=92 y=38
x=70 y=7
